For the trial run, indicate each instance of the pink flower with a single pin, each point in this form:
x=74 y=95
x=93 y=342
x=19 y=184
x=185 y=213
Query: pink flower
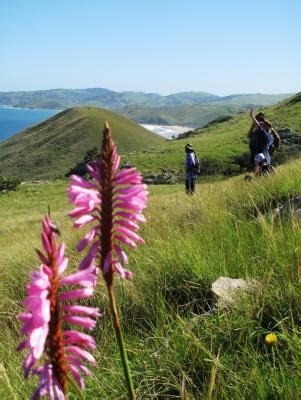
x=45 y=314
x=112 y=205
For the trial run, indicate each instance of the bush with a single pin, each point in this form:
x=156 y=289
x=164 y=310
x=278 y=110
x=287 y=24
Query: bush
x=8 y=183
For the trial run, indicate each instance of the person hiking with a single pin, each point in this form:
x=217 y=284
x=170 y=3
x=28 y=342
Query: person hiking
x=191 y=169
x=273 y=137
x=260 y=141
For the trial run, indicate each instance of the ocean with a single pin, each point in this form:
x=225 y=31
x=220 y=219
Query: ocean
x=13 y=120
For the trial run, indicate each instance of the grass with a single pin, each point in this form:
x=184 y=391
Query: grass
x=226 y=229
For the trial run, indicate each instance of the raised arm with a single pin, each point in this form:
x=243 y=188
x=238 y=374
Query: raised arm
x=255 y=122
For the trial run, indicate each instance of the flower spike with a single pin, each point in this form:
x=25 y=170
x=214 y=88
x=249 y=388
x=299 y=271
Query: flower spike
x=44 y=315
x=113 y=205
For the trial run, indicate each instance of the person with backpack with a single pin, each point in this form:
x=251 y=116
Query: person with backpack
x=263 y=139
x=192 y=167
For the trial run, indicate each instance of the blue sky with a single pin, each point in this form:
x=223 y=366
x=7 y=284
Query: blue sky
x=163 y=46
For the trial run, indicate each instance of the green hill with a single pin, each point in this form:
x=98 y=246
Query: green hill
x=184 y=115
x=51 y=148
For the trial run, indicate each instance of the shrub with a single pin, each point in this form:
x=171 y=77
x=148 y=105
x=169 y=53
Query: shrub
x=8 y=183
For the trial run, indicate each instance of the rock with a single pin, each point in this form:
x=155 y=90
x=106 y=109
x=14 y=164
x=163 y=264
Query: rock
x=227 y=290
x=167 y=177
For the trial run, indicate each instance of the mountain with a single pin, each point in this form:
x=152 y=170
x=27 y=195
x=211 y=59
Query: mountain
x=63 y=98
x=257 y=99
x=191 y=116
x=101 y=97
x=51 y=148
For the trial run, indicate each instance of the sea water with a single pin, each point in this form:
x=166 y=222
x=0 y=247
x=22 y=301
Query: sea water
x=13 y=120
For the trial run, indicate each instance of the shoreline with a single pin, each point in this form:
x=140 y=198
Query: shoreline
x=167 y=131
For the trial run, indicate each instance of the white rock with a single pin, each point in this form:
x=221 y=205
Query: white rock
x=227 y=289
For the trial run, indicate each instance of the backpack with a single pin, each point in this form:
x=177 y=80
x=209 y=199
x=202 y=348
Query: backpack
x=197 y=166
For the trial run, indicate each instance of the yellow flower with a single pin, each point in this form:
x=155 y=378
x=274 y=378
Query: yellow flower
x=271 y=339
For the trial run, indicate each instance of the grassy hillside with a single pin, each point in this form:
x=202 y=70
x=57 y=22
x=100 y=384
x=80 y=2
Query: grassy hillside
x=192 y=115
x=175 y=351
x=222 y=147
x=51 y=148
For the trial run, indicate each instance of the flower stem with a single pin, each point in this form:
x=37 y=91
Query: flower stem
x=119 y=337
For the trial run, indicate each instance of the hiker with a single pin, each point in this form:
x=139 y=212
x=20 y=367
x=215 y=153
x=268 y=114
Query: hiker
x=191 y=169
x=260 y=142
x=262 y=137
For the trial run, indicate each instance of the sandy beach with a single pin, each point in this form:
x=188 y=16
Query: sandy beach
x=168 y=131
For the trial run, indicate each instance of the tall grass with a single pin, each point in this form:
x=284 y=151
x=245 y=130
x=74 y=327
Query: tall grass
x=176 y=348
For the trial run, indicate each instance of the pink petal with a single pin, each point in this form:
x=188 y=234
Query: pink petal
x=82 y=182
x=89 y=237
x=80 y=353
x=41 y=256
x=121 y=254
x=107 y=263
x=84 y=220
x=95 y=174
x=87 y=261
x=130 y=234
x=126 y=240
x=72 y=308
x=85 y=322
x=86 y=278
x=79 y=338
x=76 y=376
x=62 y=266
x=76 y=294
x=127 y=224
x=60 y=252
x=79 y=365
x=124 y=273
x=131 y=215
x=46 y=243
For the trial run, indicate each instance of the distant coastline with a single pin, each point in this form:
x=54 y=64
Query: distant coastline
x=8 y=106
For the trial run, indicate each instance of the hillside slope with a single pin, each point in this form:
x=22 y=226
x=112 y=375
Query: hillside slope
x=223 y=146
x=51 y=148
x=184 y=115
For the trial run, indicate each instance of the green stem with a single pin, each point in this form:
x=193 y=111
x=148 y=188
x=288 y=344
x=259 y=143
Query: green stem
x=119 y=337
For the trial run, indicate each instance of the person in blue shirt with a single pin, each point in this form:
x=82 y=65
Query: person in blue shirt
x=190 y=169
